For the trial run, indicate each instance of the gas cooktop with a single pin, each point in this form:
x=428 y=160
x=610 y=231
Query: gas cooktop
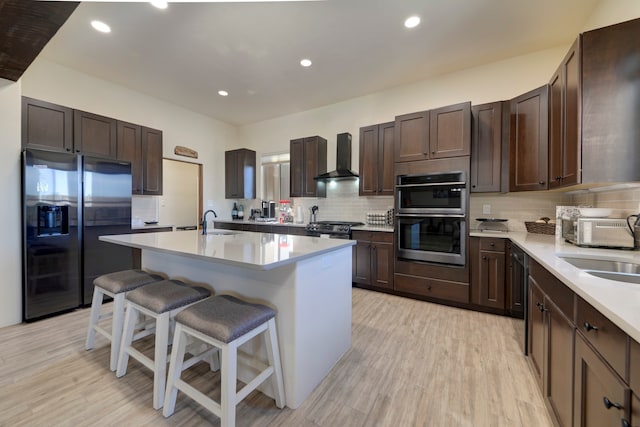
x=332 y=227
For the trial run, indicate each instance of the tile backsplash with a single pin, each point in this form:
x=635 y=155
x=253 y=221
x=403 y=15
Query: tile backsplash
x=625 y=201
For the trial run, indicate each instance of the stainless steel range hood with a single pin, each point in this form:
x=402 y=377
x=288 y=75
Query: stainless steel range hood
x=343 y=160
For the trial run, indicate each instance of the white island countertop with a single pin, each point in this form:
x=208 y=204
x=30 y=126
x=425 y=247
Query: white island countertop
x=618 y=301
x=261 y=251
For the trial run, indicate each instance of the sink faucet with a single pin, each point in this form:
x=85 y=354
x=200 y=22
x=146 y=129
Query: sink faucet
x=204 y=220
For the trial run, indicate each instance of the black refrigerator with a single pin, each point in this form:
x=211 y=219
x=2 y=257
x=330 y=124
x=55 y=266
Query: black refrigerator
x=68 y=201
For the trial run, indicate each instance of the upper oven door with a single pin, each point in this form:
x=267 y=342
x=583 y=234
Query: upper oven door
x=443 y=193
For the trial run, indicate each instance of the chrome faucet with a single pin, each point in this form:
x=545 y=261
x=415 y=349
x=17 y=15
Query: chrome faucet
x=204 y=220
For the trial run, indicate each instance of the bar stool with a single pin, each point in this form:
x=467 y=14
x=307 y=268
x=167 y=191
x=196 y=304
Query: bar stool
x=224 y=322
x=160 y=302
x=115 y=285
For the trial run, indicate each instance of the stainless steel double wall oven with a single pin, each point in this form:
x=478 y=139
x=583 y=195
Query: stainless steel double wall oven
x=431 y=217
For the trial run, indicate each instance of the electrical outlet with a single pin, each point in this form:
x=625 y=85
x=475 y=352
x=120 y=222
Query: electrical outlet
x=486 y=209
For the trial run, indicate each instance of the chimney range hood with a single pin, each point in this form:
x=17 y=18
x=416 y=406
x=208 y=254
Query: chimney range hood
x=343 y=160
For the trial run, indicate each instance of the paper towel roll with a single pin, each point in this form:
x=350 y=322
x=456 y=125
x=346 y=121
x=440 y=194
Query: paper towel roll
x=299 y=214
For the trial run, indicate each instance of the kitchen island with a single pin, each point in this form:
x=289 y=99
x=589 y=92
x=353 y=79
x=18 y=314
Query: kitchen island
x=306 y=279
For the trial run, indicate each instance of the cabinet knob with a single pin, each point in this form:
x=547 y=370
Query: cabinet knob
x=625 y=423
x=558 y=178
x=609 y=404
x=541 y=182
x=473 y=186
x=484 y=257
x=589 y=327
x=492 y=244
x=540 y=307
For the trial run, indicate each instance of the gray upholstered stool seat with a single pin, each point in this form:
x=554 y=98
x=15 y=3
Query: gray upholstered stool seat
x=159 y=301
x=115 y=285
x=224 y=323
x=225 y=317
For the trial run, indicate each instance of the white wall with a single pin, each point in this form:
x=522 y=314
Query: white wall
x=55 y=83
x=11 y=242
x=608 y=12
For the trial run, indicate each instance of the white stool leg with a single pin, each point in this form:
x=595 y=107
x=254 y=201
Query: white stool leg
x=131 y=318
x=116 y=328
x=94 y=317
x=229 y=366
x=160 y=359
x=273 y=355
x=175 y=370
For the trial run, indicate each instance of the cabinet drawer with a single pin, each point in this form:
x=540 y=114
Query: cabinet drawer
x=558 y=292
x=434 y=288
x=492 y=244
x=372 y=236
x=634 y=367
x=608 y=339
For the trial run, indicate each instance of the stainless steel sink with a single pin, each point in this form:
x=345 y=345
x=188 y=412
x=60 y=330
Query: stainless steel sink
x=621 y=271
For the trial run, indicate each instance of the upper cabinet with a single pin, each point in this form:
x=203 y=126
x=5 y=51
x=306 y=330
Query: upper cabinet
x=142 y=146
x=529 y=141
x=94 y=135
x=46 y=125
x=610 y=106
x=308 y=160
x=564 y=121
x=489 y=133
x=376 y=160
x=435 y=134
x=240 y=174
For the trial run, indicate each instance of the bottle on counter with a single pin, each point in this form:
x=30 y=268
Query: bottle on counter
x=234 y=211
x=240 y=212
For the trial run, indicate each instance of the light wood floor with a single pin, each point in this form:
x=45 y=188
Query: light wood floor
x=411 y=363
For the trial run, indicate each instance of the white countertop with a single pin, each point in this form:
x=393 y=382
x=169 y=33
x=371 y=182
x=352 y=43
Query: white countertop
x=619 y=301
x=262 y=251
x=254 y=222
x=150 y=226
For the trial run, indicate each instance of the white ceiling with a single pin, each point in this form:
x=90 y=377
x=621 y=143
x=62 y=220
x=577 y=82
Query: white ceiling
x=188 y=52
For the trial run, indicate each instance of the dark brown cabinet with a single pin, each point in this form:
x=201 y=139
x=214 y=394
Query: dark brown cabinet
x=46 y=125
x=435 y=134
x=488 y=272
x=373 y=259
x=490 y=131
x=551 y=332
x=308 y=159
x=94 y=135
x=240 y=174
x=564 y=121
x=529 y=141
x=152 y=161
x=129 y=149
x=610 y=108
x=376 y=160
x=450 y=131
x=142 y=147
x=600 y=395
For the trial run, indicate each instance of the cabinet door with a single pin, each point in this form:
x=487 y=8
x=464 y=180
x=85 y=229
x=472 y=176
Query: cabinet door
x=491 y=279
x=232 y=180
x=635 y=410
x=46 y=125
x=600 y=397
x=94 y=135
x=556 y=132
x=559 y=363
x=296 y=171
x=362 y=263
x=315 y=163
x=129 y=149
x=486 y=147
x=529 y=141
x=386 y=184
x=382 y=265
x=368 y=181
x=537 y=334
x=411 y=138
x=152 y=164
x=450 y=131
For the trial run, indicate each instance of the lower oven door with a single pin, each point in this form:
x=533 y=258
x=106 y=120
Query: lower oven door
x=432 y=238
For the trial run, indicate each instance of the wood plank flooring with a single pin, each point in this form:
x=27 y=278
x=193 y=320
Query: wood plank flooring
x=411 y=363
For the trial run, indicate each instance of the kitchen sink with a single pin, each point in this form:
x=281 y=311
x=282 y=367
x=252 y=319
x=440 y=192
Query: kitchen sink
x=612 y=269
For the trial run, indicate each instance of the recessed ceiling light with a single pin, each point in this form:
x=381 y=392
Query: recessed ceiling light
x=223 y=93
x=160 y=4
x=101 y=26
x=412 y=22
x=306 y=63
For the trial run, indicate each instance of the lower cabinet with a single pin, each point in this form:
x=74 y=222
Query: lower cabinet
x=373 y=259
x=488 y=272
x=551 y=333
